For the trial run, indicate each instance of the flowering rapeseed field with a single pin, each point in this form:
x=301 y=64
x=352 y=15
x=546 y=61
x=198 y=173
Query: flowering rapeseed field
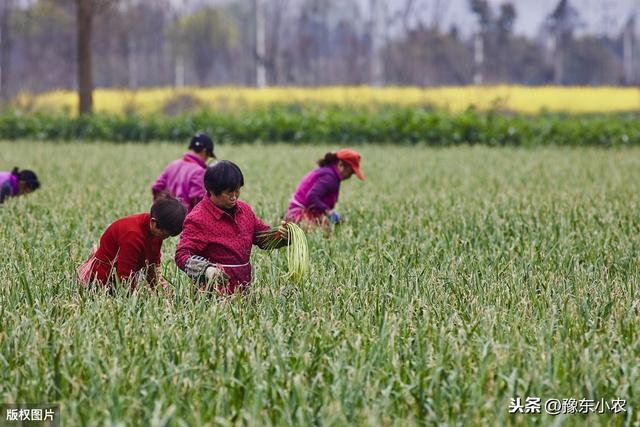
x=522 y=99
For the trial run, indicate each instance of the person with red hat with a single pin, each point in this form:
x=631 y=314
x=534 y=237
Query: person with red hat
x=315 y=198
x=184 y=178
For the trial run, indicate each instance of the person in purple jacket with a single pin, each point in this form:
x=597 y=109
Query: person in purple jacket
x=313 y=202
x=17 y=182
x=184 y=178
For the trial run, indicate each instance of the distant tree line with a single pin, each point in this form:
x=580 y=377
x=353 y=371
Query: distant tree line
x=49 y=44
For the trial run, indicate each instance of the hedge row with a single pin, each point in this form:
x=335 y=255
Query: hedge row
x=397 y=125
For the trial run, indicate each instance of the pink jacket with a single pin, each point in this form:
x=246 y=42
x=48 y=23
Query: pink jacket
x=317 y=192
x=8 y=185
x=223 y=239
x=184 y=180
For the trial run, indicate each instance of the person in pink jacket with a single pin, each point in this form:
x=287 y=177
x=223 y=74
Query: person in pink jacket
x=219 y=233
x=314 y=200
x=184 y=178
x=16 y=183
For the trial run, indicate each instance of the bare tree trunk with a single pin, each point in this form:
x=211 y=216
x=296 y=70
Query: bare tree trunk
x=274 y=45
x=375 y=59
x=478 y=56
x=627 y=48
x=628 y=58
x=179 y=72
x=558 y=63
x=85 y=78
x=166 y=64
x=261 y=48
x=132 y=63
x=5 y=50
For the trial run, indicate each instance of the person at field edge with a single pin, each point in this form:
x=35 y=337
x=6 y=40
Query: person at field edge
x=316 y=196
x=219 y=233
x=184 y=178
x=130 y=247
x=17 y=182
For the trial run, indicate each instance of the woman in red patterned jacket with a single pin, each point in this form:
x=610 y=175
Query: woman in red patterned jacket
x=219 y=233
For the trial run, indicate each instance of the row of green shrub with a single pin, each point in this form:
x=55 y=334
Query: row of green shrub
x=398 y=125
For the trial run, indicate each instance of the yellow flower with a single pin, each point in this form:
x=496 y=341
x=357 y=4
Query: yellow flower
x=521 y=99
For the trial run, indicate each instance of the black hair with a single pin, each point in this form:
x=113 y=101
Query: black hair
x=328 y=160
x=27 y=176
x=224 y=175
x=169 y=214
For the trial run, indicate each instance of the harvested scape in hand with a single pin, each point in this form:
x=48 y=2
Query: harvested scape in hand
x=297 y=251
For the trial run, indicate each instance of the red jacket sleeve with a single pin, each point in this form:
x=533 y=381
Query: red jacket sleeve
x=191 y=242
x=259 y=240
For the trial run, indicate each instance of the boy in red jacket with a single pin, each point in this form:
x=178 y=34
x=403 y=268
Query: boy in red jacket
x=132 y=244
x=220 y=231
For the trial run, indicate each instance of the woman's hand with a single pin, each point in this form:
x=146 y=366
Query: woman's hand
x=163 y=282
x=334 y=218
x=282 y=232
x=215 y=276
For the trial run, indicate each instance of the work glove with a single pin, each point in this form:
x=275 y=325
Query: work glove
x=195 y=266
x=200 y=268
x=216 y=276
x=334 y=218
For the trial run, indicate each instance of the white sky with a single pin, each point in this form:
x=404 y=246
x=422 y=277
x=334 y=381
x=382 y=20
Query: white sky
x=599 y=16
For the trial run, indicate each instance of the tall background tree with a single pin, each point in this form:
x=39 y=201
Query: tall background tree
x=206 y=37
x=629 y=58
x=6 y=8
x=84 y=22
x=561 y=24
